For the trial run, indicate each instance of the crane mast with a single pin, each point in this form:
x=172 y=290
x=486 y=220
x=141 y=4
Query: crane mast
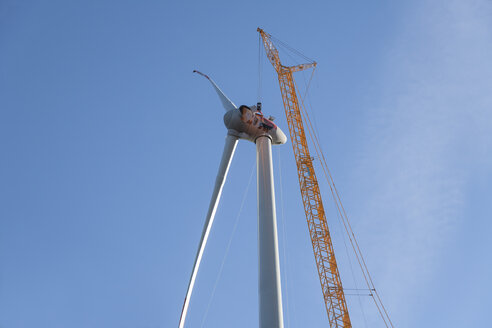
x=331 y=285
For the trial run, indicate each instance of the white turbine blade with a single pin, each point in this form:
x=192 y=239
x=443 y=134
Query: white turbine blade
x=230 y=146
x=226 y=102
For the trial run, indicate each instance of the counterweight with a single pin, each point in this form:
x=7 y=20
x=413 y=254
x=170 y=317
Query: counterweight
x=331 y=285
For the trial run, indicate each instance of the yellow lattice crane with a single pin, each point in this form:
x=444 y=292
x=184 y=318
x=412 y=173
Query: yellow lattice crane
x=331 y=285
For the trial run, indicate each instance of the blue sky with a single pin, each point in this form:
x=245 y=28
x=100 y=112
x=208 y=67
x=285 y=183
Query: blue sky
x=110 y=146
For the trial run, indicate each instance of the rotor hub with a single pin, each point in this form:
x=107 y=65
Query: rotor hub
x=249 y=124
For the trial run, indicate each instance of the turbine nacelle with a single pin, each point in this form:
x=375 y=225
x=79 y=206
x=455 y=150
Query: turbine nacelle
x=246 y=122
x=249 y=124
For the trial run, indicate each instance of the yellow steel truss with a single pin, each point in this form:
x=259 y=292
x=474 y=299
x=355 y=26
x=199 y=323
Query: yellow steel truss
x=336 y=306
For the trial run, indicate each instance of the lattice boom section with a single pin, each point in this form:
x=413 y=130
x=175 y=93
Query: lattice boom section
x=324 y=254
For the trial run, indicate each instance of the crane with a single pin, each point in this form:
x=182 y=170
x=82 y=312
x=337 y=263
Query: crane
x=324 y=254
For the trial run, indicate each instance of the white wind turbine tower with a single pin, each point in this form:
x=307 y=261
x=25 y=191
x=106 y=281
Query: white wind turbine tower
x=248 y=123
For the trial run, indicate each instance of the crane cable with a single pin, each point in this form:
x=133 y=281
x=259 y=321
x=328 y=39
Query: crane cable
x=260 y=61
x=284 y=237
x=219 y=274
x=290 y=48
x=336 y=196
x=311 y=132
x=348 y=228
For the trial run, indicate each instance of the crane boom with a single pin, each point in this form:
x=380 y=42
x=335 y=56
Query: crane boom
x=331 y=285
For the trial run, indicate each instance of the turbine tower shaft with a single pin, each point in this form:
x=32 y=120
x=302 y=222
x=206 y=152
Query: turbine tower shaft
x=269 y=287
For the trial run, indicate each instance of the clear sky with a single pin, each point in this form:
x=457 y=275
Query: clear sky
x=110 y=145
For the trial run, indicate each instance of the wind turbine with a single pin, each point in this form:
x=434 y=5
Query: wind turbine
x=248 y=123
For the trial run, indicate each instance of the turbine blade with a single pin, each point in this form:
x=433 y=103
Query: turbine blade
x=229 y=148
x=226 y=102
